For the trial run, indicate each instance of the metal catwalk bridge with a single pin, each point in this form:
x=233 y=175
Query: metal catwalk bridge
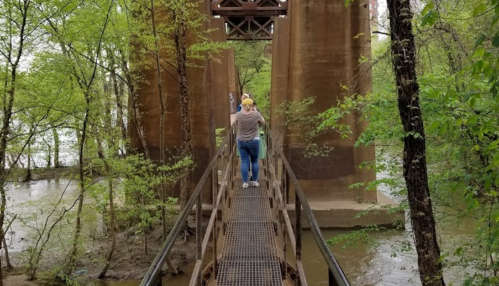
x=249 y=231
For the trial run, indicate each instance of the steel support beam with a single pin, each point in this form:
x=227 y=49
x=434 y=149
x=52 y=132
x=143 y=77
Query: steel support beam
x=249 y=20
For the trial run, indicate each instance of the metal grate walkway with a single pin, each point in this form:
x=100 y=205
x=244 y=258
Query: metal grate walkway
x=250 y=249
x=249 y=256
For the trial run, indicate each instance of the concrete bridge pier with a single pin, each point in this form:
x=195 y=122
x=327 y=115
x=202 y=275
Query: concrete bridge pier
x=316 y=51
x=209 y=87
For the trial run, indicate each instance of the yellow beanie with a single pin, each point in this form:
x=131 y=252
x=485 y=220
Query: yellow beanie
x=247 y=101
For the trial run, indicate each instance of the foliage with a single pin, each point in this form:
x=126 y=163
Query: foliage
x=219 y=136
x=356 y=238
x=259 y=87
x=253 y=71
x=64 y=71
x=301 y=121
x=458 y=72
x=170 y=15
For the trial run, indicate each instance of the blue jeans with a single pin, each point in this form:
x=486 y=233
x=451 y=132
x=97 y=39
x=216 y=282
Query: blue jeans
x=249 y=150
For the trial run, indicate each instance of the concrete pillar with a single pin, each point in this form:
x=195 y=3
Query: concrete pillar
x=209 y=97
x=220 y=78
x=280 y=74
x=326 y=40
x=231 y=66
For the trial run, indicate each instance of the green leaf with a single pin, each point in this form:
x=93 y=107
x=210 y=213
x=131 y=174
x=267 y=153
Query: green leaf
x=479 y=41
x=473 y=205
x=495 y=40
x=428 y=7
x=496 y=18
x=493 y=145
x=494 y=89
x=473 y=102
x=347 y=2
x=429 y=18
x=434 y=125
x=479 y=9
x=443 y=256
x=479 y=65
x=468 y=177
x=479 y=52
x=473 y=119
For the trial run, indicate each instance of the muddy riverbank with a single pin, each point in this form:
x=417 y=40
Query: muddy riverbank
x=39 y=203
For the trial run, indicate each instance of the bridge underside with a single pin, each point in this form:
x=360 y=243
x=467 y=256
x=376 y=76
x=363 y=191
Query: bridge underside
x=249 y=20
x=316 y=50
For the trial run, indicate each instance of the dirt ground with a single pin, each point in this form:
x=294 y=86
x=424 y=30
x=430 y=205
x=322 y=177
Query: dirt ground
x=129 y=260
x=18 y=280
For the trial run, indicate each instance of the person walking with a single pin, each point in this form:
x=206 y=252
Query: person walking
x=248 y=140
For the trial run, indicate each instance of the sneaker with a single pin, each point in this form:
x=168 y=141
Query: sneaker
x=245 y=185
x=255 y=184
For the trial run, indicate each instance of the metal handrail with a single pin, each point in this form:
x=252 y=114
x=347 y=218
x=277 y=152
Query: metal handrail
x=154 y=271
x=336 y=275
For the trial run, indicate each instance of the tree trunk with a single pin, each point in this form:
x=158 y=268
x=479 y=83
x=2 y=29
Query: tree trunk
x=81 y=171
x=112 y=220
x=4 y=243
x=6 y=250
x=13 y=60
x=28 y=169
x=240 y=85
x=120 y=123
x=180 y=47
x=415 y=171
x=8 y=103
x=49 y=155
x=57 y=163
x=85 y=82
x=162 y=192
x=42 y=242
x=1 y=274
x=137 y=117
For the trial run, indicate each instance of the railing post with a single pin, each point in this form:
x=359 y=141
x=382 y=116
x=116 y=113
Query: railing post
x=199 y=255
x=153 y=275
x=284 y=187
x=285 y=241
x=214 y=181
x=331 y=280
x=234 y=171
x=234 y=159
x=214 y=231
x=298 y=231
x=159 y=281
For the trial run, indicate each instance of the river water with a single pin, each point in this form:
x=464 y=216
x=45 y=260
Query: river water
x=389 y=261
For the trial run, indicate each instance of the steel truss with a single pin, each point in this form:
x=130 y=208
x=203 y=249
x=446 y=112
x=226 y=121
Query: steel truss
x=249 y=20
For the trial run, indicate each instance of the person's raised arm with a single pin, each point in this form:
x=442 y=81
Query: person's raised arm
x=261 y=120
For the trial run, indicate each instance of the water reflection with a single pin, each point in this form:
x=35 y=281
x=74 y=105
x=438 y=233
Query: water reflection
x=362 y=265
x=33 y=202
